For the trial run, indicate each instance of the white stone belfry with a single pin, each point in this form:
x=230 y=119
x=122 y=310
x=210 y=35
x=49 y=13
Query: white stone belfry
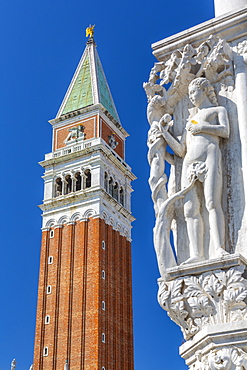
x=197 y=106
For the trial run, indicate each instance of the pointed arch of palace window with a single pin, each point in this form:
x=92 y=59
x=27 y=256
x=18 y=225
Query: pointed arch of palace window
x=88 y=179
x=111 y=186
x=115 y=191
x=58 y=187
x=78 y=181
x=121 y=195
x=68 y=185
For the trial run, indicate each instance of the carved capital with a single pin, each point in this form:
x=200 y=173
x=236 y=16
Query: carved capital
x=215 y=297
x=222 y=358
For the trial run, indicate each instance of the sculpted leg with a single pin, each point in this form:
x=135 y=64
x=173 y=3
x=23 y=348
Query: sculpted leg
x=194 y=226
x=157 y=179
x=213 y=196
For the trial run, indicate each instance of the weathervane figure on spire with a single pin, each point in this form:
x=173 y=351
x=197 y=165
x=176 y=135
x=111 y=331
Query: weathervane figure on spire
x=90 y=31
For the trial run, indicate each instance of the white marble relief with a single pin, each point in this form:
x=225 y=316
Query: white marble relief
x=184 y=114
x=112 y=141
x=199 y=146
x=215 y=297
x=76 y=132
x=212 y=60
x=242 y=50
x=222 y=358
x=197 y=143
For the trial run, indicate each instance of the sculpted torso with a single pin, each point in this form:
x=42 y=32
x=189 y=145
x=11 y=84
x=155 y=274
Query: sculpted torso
x=198 y=144
x=201 y=146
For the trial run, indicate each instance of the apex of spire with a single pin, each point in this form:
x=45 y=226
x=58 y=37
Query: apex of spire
x=90 y=31
x=88 y=85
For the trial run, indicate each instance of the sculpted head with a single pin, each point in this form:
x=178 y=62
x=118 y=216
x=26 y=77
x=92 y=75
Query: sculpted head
x=199 y=89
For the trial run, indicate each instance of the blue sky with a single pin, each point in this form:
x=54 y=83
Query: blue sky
x=41 y=44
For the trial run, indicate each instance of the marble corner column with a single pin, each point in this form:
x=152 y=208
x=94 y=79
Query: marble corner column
x=205 y=296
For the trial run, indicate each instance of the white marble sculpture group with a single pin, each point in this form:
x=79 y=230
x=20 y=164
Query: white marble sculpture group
x=191 y=95
x=196 y=175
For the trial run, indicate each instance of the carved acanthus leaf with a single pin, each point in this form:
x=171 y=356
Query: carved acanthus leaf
x=200 y=305
x=212 y=286
x=193 y=287
x=214 y=297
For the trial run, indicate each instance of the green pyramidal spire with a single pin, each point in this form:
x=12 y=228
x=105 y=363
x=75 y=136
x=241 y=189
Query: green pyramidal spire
x=89 y=85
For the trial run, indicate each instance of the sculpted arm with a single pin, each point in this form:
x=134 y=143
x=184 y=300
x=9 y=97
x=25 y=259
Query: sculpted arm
x=170 y=158
x=177 y=146
x=222 y=129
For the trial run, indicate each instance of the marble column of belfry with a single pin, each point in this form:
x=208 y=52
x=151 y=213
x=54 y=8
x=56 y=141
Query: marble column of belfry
x=197 y=104
x=84 y=311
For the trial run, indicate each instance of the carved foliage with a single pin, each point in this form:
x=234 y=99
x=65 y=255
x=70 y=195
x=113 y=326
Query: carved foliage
x=172 y=300
x=242 y=50
x=213 y=298
x=225 y=358
x=170 y=79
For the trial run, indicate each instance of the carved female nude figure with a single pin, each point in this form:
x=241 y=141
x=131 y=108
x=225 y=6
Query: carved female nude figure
x=199 y=146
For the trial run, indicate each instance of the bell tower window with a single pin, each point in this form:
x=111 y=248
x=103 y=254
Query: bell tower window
x=87 y=174
x=111 y=186
x=106 y=181
x=78 y=181
x=115 y=191
x=121 y=195
x=68 y=185
x=58 y=187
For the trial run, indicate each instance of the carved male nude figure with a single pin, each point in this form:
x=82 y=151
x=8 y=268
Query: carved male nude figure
x=199 y=145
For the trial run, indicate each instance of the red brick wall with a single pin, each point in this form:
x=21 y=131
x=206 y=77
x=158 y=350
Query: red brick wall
x=41 y=304
x=77 y=320
x=106 y=131
x=115 y=290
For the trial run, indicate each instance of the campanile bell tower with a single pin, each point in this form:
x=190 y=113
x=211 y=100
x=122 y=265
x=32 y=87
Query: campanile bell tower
x=84 y=312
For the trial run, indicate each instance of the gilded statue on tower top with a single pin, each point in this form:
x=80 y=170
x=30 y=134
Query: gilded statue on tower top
x=90 y=31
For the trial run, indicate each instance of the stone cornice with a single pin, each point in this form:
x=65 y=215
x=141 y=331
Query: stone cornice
x=99 y=147
x=90 y=108
x=225 y=261
x=72 y=199
x=229 y=26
